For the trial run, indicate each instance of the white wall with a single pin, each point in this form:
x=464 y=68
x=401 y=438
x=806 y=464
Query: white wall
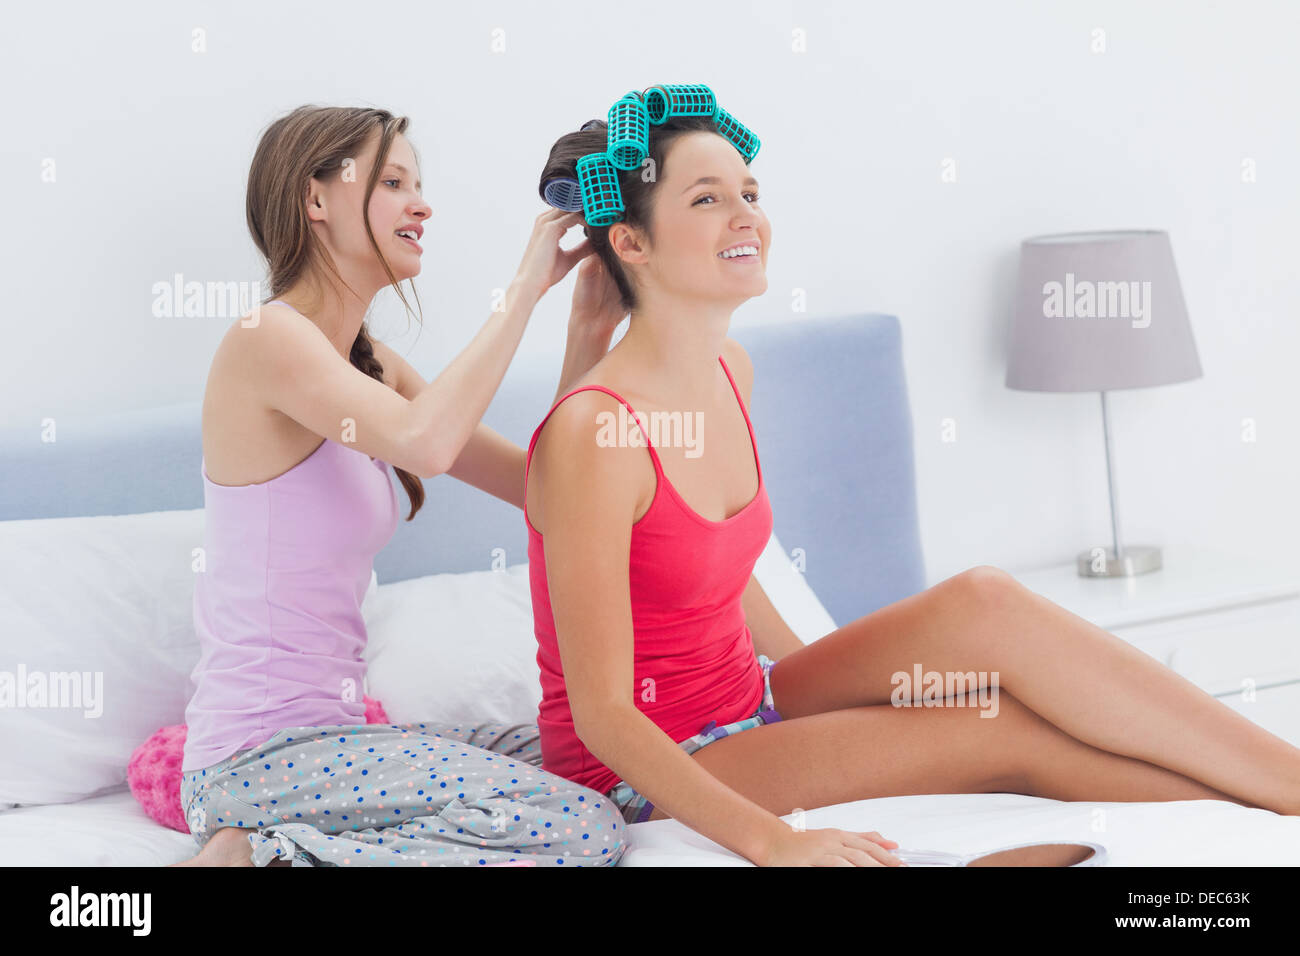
x=151 y=143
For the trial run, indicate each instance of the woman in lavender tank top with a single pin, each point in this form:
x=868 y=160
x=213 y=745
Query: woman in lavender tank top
x=303 y=415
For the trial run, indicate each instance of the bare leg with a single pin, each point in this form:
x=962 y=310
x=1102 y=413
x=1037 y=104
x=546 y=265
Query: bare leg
x=885 y=751
x=227 y=847
x=1088 y=682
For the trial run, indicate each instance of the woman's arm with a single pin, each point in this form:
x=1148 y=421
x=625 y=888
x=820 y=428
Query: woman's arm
x=586 y=345
x=304 y=377
x=490 y=461
x=597 y=310
x=587 y=497
x=493 y=463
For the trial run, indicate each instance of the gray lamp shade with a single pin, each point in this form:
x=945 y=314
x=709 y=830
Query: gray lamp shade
x=1098 y=311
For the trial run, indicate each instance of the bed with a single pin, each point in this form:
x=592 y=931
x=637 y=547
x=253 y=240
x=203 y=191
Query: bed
x=100 y=521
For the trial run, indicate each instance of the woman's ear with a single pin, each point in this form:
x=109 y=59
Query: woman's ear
x=628 y=243
x=315 y=200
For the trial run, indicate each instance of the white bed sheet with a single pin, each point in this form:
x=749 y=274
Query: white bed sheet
x=108 y=830
x=112 y=830
x=1175 y=833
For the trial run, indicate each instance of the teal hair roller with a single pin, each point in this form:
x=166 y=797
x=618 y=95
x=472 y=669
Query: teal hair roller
x=596 y=190
x=629 y=132
x=602 y=199
x=745 y=141
x=679 y=99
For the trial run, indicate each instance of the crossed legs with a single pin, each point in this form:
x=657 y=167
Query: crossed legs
x=1082 y=714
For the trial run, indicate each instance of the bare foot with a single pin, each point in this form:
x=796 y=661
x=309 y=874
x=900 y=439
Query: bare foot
x=228 y=847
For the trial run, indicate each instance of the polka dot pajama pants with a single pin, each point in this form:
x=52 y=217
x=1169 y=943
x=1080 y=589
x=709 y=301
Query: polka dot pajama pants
x=404 y=795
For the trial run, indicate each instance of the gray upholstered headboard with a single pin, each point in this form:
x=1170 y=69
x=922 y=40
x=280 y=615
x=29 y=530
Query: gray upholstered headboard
x=831 y=419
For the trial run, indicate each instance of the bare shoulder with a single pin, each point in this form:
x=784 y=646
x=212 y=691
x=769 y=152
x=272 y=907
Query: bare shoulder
x=267 y=342
x=742 y=369
x=244 y=438
x=252 y=341
x=577 y=434
x=268 y=331
x=583 y=457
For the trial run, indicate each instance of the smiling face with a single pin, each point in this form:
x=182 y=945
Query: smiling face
x=396 y=205
x=705 y=202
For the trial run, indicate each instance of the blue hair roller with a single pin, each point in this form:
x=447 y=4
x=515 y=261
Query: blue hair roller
x=563 y=192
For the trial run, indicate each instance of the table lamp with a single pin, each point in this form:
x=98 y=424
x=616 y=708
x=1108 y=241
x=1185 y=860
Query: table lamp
x=1094 y=312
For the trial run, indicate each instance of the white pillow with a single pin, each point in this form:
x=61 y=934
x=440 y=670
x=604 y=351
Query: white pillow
x=108 y=596
x=460 y=647
x=453 y=647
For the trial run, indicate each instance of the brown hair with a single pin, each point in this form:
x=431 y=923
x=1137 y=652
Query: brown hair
x=638 y=195
x=314 y=141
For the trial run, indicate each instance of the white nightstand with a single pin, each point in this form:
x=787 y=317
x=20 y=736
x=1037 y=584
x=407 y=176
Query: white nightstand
x=1229 y=624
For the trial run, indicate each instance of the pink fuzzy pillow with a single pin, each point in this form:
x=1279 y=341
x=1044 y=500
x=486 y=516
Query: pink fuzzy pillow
x=154 y=772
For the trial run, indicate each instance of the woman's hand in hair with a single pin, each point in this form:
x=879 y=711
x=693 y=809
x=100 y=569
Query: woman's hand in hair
x=544 y=262
x=597 y=305
x=597 y=310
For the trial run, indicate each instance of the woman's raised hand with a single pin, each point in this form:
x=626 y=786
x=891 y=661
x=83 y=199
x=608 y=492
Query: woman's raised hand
x=544 y=262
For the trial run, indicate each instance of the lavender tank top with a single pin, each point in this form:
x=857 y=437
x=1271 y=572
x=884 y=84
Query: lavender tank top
x=277 y=608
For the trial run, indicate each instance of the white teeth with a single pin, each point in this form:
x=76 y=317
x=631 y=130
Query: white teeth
x=739 y=251
x=408 y=234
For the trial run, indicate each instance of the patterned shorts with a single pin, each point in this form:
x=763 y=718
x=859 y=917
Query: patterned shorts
x=637 y=809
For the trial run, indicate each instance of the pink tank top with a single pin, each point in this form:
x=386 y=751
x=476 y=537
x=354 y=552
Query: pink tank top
x=278 y=607
x=686 y=575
